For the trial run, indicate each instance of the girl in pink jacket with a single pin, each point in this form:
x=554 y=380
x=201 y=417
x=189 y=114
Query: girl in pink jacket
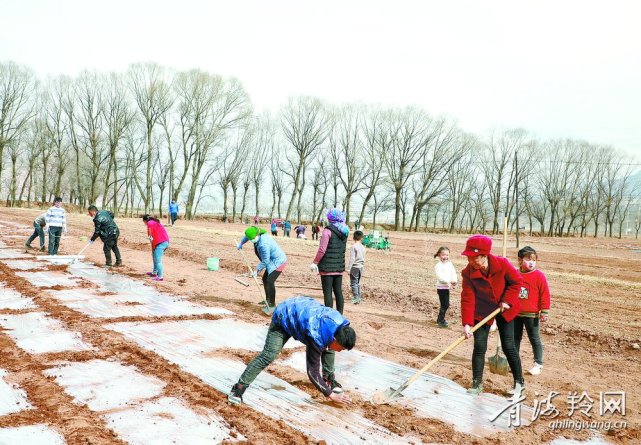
x=159 y=243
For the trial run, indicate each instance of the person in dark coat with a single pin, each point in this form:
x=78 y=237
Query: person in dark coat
x=329 y=261
x=107 y=230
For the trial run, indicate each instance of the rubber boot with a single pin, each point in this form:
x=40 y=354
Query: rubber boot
x=476 y=388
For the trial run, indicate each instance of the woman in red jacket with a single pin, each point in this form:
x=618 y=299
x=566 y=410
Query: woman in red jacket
x=159 y=243
x=490 y=282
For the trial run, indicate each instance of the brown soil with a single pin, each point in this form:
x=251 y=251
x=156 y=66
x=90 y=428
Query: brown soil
x=591 y=341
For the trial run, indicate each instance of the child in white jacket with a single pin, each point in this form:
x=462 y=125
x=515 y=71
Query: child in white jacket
x=446 y=279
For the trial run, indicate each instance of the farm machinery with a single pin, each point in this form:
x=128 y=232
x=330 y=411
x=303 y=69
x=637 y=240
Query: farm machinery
x=376 y=240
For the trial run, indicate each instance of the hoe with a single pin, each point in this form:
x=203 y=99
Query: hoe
x=387 y=396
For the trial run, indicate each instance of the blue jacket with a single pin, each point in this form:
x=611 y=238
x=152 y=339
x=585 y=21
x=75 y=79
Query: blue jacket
x=269 y=252
x=173 y=208
x=287 y=225
x=306 y=319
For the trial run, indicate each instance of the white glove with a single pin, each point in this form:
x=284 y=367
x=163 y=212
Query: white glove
x=467 y=330
x=254 y=273
x=493 y=327
x=239 y=246
x=313 y=267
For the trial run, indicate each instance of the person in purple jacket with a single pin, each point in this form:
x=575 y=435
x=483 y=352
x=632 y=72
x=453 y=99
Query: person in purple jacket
x=329 y=261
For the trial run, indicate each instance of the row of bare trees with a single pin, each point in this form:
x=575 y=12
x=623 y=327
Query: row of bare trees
x=135 y=140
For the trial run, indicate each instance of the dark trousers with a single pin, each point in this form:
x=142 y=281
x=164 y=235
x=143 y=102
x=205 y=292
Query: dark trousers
x=276 y=339
x=315 y=235
x=38 y=231
x=174 y=217
x=506 y=332
x=355 y=283
x=269 y=283
x=333 y=283
x=111 y=244
x=444 y=299
x=533 y=333
x=54 y=239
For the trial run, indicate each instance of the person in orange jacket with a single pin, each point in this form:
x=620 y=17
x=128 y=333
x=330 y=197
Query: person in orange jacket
x=490 y=282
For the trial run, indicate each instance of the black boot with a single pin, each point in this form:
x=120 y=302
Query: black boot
x=118 y=263
x=236 y=394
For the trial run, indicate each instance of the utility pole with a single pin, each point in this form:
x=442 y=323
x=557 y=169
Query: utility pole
x=169 y=212
x=516 y=193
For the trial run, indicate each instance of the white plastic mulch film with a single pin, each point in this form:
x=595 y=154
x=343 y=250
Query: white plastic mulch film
x=133 y=406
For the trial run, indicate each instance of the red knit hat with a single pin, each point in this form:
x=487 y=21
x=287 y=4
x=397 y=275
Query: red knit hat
x=477 y=245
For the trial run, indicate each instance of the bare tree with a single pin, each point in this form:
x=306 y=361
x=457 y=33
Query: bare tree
x=15 y=150
x=615 y=187
x=347 y=151
x=118 y=118
x=305 y=125
x=377 y=137
x=381 y=202
x=264 y=147
x=445 y=146
x=278 y=183
x=151 y=88
x=56 y=130
x=409 y=138
x=319 y=183
x=458 y=180
x=36 y=141
x=209 y=106
x=231 y=164
x=16 y=107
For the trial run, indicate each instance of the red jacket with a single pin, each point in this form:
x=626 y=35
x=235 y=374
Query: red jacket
x=157 y=232
x=480 y=295
x=535 y=294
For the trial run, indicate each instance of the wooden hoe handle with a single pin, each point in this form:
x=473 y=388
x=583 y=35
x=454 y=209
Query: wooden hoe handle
x=458 y=341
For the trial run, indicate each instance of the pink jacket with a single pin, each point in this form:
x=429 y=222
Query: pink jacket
x=157 y=232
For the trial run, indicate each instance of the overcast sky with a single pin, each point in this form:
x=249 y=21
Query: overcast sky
x=556 y=68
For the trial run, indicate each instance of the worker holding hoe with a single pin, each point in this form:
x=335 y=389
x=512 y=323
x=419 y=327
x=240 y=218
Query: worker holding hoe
x=321 y=329
x=272 y=259
x=490 y=282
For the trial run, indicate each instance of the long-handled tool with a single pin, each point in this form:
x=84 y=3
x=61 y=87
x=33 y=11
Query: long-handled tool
x=267 y=310
x=80 y=253
x=387 y=396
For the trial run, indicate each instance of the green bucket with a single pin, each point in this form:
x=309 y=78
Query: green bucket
x=213 y=263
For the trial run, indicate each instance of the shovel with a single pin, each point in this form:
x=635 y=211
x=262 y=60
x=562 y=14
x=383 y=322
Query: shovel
x=387 y=396
x=267 y=310
x=497 y=363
